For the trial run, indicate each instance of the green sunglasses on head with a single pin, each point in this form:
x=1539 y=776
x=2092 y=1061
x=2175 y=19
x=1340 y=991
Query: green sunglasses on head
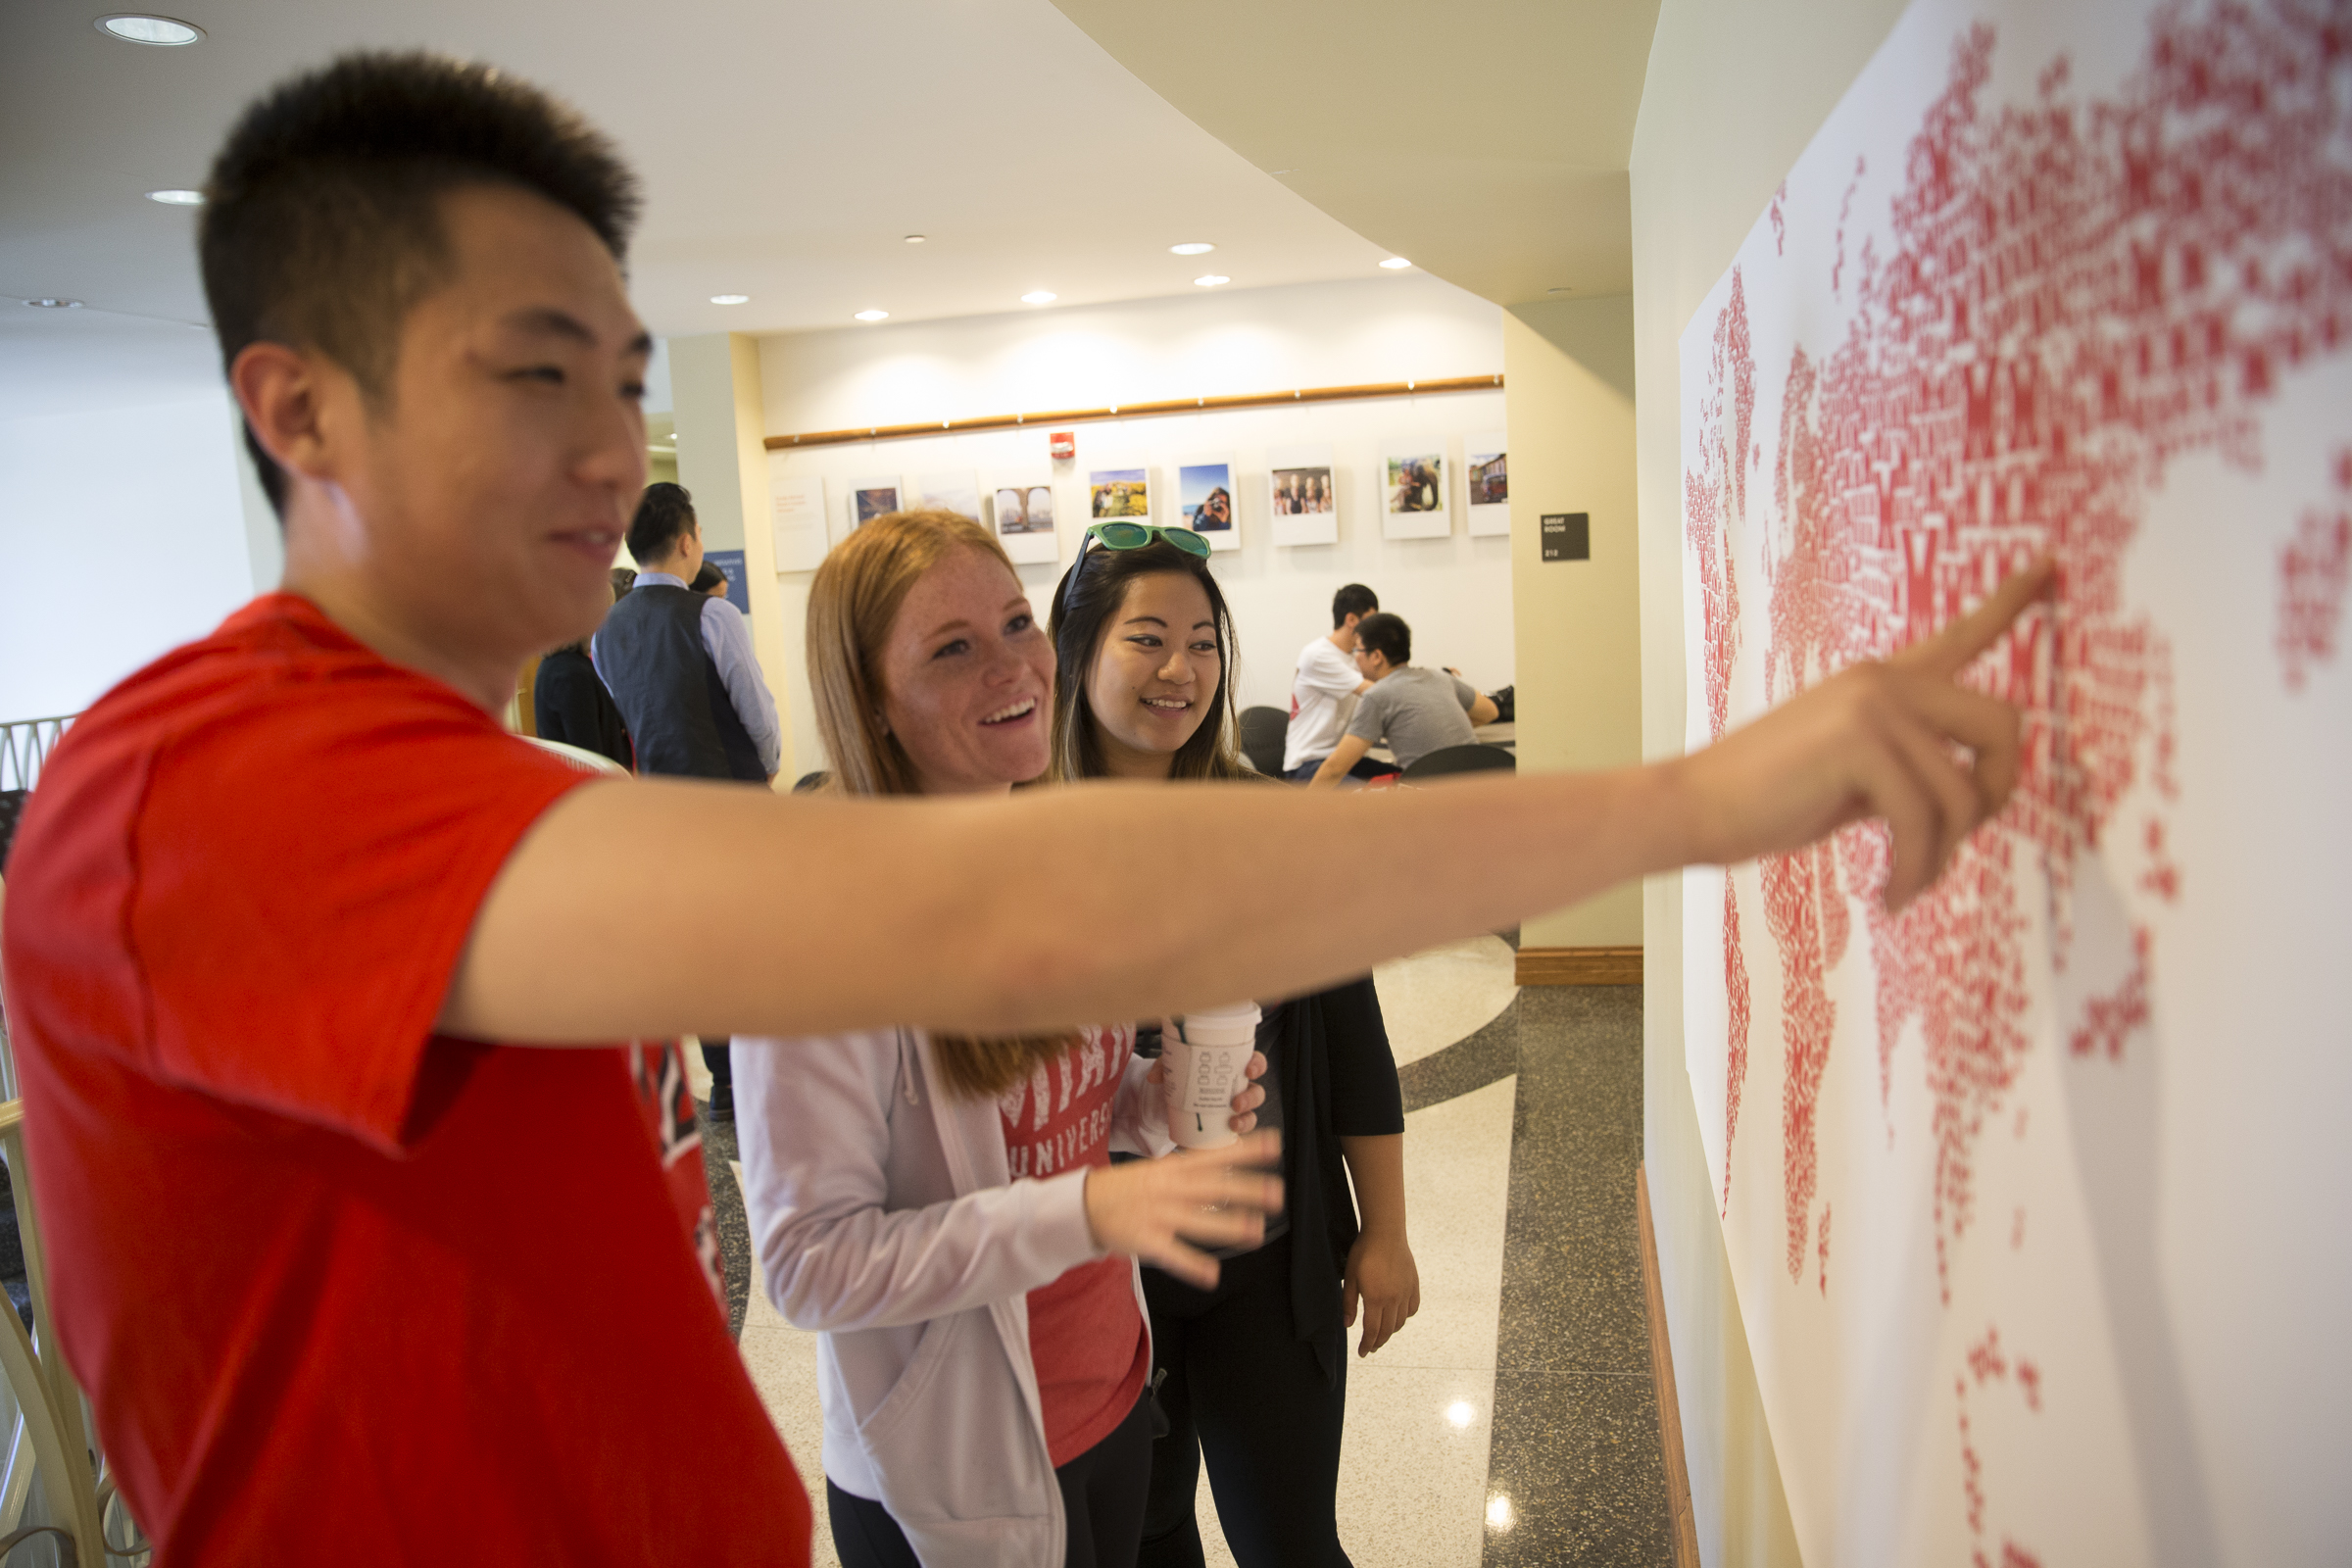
x=1136 y=535
x=1132 y=536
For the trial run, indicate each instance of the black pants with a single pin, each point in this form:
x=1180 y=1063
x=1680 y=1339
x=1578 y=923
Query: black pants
x=1245 y=1389
x=722 y=1065
x=1102 y=1495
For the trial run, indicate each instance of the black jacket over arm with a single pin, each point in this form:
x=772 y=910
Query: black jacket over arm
x=1339 y=1080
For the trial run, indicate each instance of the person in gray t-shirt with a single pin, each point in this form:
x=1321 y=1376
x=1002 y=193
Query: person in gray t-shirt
x=1416 y=711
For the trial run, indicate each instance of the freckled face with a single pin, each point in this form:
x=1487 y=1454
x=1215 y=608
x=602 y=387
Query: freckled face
x=1157 y=670
x=968 y=679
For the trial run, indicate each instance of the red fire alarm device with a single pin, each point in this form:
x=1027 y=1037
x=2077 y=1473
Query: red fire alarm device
x=1062 y=444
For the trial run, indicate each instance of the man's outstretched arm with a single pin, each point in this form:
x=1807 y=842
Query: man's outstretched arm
x=1060 y=907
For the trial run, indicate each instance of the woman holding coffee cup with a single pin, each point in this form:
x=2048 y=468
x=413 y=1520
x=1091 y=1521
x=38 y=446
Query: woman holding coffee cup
x=944 y=1209
x=1251 y=1371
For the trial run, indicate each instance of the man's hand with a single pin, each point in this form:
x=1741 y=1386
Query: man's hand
x=1149 y=1208
x=1381 y=1277
x=1874 y=740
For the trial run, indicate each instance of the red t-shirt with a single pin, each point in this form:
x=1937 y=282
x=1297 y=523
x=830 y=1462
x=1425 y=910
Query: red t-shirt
x=1085 y=1336
x=337 y=1285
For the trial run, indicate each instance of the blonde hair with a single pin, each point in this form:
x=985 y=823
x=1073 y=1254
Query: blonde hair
x=852 y=604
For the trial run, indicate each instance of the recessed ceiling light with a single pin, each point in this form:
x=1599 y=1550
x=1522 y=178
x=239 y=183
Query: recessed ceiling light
x=1396 y=264
x=1211 y=280
x=178 y=198
x=730 y=299
x=1198 y=247
x=164 y=32
x=917 y=239
x=1039 y=296
x=873 y=316
x=55 y=304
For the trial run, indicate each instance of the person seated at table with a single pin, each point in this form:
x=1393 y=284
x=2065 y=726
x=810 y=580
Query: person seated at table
x=1413 y=709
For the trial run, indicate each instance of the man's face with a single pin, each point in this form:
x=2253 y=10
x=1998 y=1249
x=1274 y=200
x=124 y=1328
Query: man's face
x=494 y=487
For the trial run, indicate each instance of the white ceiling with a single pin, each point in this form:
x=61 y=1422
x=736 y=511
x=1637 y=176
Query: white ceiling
x=786 y=148
x=1486 y=139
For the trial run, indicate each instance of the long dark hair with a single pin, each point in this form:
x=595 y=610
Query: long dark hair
x=1090 y=593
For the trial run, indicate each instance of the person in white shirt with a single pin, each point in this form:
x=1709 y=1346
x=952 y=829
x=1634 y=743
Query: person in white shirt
x=1327 y=678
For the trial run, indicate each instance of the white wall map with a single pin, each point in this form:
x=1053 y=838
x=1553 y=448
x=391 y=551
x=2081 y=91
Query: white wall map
x=2034 y=1194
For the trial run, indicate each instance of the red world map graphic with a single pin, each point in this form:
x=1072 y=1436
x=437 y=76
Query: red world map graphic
x=2075 y=293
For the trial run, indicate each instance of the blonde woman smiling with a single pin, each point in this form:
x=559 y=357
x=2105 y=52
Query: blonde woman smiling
x=943 y=1209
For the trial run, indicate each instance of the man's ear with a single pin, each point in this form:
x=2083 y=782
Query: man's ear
x=288 y=400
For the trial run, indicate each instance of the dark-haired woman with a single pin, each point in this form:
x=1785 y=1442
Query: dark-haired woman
x=1251 y=1371
x=944 y=1211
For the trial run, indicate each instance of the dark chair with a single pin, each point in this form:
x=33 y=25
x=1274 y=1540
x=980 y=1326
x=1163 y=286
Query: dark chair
x=1264 y=732
x=1474 y=757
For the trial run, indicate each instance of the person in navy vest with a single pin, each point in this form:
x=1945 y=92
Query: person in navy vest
x=680 y=666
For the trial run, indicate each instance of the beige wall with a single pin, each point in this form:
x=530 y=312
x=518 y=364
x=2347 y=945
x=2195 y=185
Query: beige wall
x=1568 y=379
x=1454 y=591
x=1736 y=89
x=714 y=384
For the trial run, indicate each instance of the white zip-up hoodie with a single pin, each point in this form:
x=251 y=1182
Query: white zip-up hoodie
x=885 y=1216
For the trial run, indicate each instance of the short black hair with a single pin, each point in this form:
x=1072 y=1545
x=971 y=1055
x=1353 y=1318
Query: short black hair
x=708 y=577
x=665 y=516
x=323 y=222
x=1354 y=600
x=1387 y=635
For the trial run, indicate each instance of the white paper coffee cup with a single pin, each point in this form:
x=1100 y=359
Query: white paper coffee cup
x=1205 y=1063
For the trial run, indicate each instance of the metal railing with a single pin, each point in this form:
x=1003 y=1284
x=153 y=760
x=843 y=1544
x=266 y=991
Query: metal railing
x=59 y=1506
x=25 y=745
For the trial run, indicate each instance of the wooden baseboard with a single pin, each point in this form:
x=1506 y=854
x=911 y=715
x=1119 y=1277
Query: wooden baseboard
x=1661 y=1370
x=1579 y=966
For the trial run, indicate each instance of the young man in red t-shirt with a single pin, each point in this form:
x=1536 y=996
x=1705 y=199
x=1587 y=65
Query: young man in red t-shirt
x=347 y=1267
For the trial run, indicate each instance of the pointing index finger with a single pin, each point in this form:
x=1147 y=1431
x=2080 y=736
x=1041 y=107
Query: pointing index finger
x=1948 y=652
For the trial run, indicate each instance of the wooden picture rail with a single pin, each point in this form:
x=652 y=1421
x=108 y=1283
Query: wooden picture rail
x=1137 y=411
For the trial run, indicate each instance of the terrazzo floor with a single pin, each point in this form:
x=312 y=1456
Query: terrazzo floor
x=1512 y=1421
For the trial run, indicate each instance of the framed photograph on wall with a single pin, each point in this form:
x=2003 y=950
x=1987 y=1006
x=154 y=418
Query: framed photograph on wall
x=796 y=518
x=1487 y=477
x=1020 y=511
x=1204 y=488
x=1122 y=492
x=1303 y=496
x=1412 y=489
x=864 y=500
x=959 y=493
